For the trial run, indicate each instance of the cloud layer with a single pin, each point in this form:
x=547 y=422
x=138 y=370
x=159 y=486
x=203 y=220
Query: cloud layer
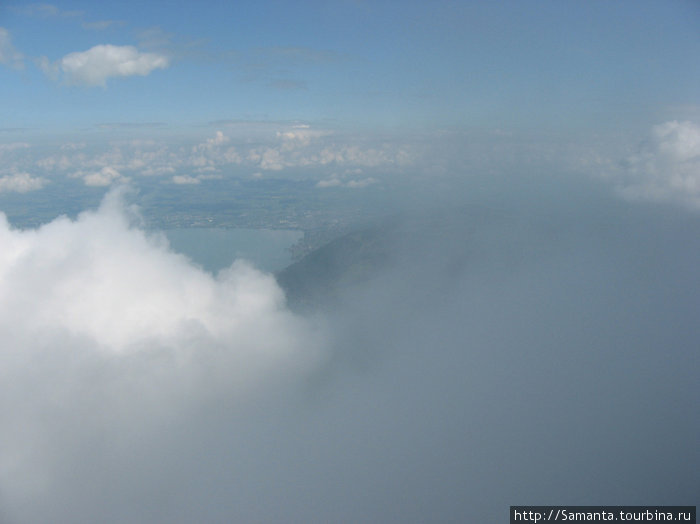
x=341 y=162
x=525 y=349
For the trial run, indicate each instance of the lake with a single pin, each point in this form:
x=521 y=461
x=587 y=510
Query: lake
x=217 y=248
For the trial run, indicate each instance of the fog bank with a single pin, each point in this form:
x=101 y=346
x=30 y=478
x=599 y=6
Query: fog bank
x=532 y=354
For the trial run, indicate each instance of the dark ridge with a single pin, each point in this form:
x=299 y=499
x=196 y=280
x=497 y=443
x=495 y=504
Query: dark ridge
x=317 y=278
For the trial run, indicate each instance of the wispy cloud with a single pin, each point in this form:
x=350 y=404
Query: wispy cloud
x=44 y=10
x=102 y=25
x=9 y=55
x=174 y=46
x=281 y=67
x=291 y=55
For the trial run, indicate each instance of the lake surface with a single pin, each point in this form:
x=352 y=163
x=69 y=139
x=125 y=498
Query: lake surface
x=217 y=248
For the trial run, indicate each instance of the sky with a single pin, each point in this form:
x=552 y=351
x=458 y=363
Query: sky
x=529 y=335
x=349 y=63
x=350 y=93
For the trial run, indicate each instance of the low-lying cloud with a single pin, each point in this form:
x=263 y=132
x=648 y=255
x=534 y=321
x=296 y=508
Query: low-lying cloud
x=21 y=183
x=108 y=338
x=102 y=178
x=284 y=149
x=526 y=348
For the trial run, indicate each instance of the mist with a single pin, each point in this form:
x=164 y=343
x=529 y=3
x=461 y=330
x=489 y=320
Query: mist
x=517 y=347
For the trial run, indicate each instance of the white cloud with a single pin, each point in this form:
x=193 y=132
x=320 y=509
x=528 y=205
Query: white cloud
x=106 y=334
x=96 y=65
x=213 y=176
x=21 y=183
x=218 y=139
x=272 y=159
x=9 y=56
x=185 y=179
x=49 y=69
x=287 y=147
x=101 y=25
x=157 y=171
x=329 y=182
x=102 y=178
x=301 y=146
x=121 y=288
x=678 y=141
x=300 y=136
x=135 y=387
x=358 y=184
x=59 y=162
x=334 y=181
x=213 y=153
x=14 y=146
x=43 y=10
x=666 y=167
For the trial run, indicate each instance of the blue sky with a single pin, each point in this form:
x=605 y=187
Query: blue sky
x=350 y=86
x=366 y=64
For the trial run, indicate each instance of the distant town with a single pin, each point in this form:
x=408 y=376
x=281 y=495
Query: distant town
x=321 y=213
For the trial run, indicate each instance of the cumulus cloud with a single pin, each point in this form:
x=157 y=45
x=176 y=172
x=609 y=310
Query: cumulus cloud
x=213 y=153
x=102 y=62
x=358 y=184
x=185 y=179
x=334 y=181
x=108 y=342
x=13 y=146
x=21 y=183
x=300 y=135
x=9 y=56
x=329 y=182
x=102 y=178
x=666 y=167
x=218 y=139
x=282 y=148
x=302 y=146
x=124 y=290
